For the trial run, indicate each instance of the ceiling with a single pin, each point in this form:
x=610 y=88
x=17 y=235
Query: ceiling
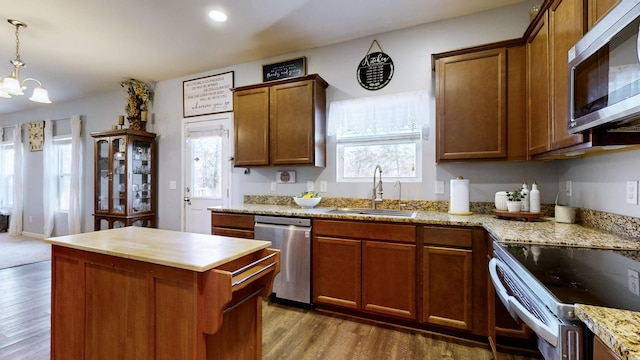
x=77 y=48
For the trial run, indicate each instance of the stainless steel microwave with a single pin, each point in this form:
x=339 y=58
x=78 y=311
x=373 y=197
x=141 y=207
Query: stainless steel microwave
x=604 y=74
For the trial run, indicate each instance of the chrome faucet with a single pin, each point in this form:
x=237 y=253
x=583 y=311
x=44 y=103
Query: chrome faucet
x=376 y=196
x=398 y=184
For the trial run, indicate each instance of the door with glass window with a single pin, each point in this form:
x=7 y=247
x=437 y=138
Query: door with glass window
x=206 y=159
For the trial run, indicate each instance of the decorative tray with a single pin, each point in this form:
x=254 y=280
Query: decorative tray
x=528 y=216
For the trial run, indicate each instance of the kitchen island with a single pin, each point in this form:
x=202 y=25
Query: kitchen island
x=141 y=293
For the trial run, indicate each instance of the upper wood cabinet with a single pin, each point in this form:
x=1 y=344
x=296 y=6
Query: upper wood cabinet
x=476 y=118
x=596 y=9
x=566 y=28
x=538 y=112
x=281 y=123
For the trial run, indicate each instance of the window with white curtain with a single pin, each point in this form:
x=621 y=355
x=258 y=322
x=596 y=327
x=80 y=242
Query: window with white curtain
x=381 y=130
x=62 y=148
x=6 y=175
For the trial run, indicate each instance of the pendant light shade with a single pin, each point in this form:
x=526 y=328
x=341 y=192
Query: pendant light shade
x=11 y=85
x=40 y=95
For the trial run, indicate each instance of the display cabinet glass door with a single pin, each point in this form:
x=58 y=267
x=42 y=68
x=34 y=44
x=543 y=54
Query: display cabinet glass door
x=102 y=185
x=141 y=180
x=119 y=180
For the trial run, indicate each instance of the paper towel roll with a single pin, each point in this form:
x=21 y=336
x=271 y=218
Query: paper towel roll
x=459 y=200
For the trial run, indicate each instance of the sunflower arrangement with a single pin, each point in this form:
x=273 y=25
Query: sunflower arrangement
x=139 y=95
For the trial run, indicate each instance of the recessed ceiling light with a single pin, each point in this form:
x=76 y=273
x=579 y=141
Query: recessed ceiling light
x=218 y=16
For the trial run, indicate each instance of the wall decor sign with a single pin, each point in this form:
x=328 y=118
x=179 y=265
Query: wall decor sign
x=36 y=135
x=284 y=69
x=208 y=95
x=375 y=70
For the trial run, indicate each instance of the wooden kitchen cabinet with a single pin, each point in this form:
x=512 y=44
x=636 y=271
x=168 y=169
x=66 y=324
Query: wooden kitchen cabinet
x=565 y=29
x=538 y=111
x=234 y=225
x=596 y=9
x=124 y=179
x=472 y=96
x=601 y=351
x=281 y=123
x=560 y=27
x=366 y=266
x=455 y=278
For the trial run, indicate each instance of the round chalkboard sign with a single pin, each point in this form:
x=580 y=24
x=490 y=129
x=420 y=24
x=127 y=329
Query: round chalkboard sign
x=375 y=71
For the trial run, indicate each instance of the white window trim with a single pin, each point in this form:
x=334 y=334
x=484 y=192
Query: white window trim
x=57 y=140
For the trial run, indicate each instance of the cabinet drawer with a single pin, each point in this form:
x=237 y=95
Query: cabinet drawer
x=365 y=230
x=238 y=221
x=448 y=236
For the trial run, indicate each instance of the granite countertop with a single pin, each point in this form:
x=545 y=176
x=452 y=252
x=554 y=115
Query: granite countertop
x=182 y=250
x=619 y=329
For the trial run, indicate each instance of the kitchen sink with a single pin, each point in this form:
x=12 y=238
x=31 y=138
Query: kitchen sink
x=374 y=212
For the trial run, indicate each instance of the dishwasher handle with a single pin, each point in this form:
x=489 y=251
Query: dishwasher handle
x=281 y=220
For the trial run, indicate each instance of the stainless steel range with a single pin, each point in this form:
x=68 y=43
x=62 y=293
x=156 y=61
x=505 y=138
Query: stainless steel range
x=541 y=284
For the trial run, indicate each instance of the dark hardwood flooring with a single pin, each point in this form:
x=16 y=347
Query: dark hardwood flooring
x=288 y=333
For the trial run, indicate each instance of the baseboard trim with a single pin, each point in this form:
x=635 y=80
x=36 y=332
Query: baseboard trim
x=33 y=235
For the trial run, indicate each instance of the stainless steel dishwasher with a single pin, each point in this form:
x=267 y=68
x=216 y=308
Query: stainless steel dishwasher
x=292 y=236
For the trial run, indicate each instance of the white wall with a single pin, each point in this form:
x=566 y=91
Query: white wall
x=410 y=50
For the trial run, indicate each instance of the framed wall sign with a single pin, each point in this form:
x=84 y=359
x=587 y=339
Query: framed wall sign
x=284 y=69
x=208 y=95
x=375 y=70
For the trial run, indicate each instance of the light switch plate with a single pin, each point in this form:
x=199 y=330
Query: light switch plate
x=439 y=188
x=310 y=186
x=632 y=192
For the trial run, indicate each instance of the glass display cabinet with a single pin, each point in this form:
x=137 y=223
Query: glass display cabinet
x=124 y=179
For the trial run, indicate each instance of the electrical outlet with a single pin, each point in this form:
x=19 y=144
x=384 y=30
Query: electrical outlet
x=634 y=285
x=310 y=186
x=439 y=188
x=632 y=192
x=273 y=186
x=569 y=186
x=323 y=186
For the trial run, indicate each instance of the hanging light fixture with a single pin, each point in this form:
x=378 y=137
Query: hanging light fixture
x=11 y=85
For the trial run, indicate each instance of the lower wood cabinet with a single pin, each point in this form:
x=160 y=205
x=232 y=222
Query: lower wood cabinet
x=447 y=287
x=234 y=225
x=455 y=278
x=601 y=351
x=389 y=278
x=365 y=266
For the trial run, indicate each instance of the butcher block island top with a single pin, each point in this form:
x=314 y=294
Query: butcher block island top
x=140 y=293
x=182 y=250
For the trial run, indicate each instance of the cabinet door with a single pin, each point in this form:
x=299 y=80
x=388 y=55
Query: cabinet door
x=292 y=125
x=447 y=288
x=601 y=351
x=471 y=106
x=539 y=118
x=251 y=127
x=596 y=9
x=336 y=272
x=389 y=278
x=566 y=28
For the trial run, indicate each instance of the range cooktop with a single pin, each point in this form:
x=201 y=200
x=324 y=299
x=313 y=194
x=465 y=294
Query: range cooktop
x=589 y=276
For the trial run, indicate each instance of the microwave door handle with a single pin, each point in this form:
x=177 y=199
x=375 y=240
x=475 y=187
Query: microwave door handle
x=534 y=323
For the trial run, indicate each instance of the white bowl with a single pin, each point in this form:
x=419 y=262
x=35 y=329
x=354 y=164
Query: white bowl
x=307 y=203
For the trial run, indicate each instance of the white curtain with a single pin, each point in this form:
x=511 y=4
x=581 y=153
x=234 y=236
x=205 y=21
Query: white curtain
x=75 y=196
x=49 y=181
x=402 y=113
x=15 y=222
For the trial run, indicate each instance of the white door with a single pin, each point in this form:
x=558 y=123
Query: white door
x=207 y=168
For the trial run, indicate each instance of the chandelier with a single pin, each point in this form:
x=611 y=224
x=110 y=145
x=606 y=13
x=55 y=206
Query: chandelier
x=11 y=84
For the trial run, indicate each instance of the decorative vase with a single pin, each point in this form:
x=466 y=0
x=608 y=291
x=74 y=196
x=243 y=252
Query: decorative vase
x=514 y=206
x=135 y=123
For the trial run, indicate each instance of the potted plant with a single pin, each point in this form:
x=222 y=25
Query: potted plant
x=514 y=197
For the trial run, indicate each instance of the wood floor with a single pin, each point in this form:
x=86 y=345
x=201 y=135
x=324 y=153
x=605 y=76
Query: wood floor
x=288 y=333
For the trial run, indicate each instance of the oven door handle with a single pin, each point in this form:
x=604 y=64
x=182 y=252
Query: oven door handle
x=534 y=323
x=518 y=311
x=501 y=291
